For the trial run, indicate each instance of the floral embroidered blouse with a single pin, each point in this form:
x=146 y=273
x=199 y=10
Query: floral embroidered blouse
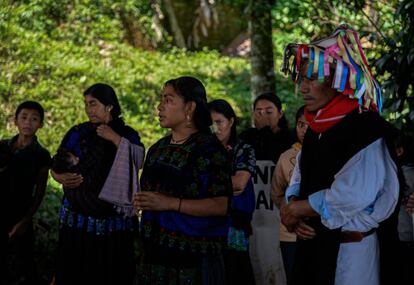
x=196 y=169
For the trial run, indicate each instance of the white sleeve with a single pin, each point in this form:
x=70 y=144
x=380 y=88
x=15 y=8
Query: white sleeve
x=364 y=192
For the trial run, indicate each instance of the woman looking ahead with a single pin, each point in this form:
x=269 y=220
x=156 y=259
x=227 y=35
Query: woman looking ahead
x=185 y=193
x=95 y=241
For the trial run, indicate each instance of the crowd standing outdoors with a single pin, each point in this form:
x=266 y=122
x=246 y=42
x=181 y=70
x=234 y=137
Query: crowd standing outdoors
x=334 y=206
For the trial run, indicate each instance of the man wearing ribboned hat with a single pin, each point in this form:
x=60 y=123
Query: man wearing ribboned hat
x=345 y=186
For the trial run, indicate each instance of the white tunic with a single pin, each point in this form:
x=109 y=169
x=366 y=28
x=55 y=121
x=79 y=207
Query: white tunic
x=364 y=193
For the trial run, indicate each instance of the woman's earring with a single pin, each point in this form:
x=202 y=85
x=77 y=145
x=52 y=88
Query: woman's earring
x=188 y=120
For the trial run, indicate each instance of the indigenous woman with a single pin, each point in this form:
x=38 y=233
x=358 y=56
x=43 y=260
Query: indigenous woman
x=185 y=193
x=236 y=257
x=269 y=139
x=270 y=136
x=95 y=241
x=280 y=181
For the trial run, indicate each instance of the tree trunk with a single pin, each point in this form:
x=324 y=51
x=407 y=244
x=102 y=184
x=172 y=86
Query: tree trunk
x=178 y=35
x=261 y=58
x=133 y=34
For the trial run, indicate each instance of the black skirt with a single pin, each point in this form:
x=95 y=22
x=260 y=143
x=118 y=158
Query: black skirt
x=86 y=258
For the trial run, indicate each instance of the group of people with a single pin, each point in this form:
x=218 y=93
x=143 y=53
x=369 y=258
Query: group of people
x=340 y=188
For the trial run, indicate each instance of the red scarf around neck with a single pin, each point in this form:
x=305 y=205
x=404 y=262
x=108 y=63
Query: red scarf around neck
x=331 y=114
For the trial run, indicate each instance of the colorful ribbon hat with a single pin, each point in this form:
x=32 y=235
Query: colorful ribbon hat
x=341 y=52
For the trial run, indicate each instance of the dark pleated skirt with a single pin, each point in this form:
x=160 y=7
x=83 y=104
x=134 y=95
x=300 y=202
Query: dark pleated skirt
x=86 y=258
x=238 y=268
x=166 y=266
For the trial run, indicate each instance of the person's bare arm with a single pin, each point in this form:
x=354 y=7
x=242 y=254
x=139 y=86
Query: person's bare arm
x=239 y=181
x=155 y=201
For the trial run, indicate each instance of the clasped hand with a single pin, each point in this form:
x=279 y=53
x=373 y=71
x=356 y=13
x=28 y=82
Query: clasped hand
x=68 y=180
x=294 y=222
x=409 y=207
x=108 y=133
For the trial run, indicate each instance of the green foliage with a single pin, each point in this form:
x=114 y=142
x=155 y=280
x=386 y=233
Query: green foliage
x=303 y=21
x=84 y=22
x=395 y=66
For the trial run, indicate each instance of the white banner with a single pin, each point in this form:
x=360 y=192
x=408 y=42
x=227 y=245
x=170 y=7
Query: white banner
x=265 y=253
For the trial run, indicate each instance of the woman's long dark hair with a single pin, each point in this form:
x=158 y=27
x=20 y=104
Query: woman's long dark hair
x=273 y=98
x=223 y=107
x=105 y=94
x=192 y=90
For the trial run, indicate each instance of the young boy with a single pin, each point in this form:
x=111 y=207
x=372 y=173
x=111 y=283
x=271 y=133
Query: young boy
x=24 y=166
